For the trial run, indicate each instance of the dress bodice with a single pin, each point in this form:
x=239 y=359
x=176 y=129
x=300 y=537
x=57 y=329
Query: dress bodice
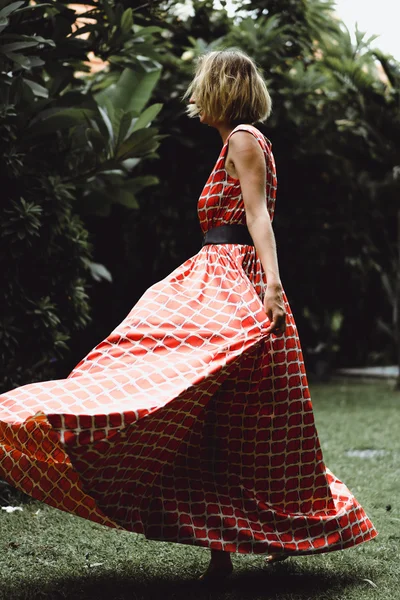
x=221 y=201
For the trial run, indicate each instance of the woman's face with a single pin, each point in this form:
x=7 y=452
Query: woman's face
x=192 y=100
x=202 y=117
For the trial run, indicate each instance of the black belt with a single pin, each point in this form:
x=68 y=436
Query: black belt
x=228 y=234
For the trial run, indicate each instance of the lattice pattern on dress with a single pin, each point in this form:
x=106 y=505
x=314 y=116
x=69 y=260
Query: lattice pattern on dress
x=189 y=423
x=213 y=207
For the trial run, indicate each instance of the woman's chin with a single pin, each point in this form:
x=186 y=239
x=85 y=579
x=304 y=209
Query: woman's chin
x=204 y=120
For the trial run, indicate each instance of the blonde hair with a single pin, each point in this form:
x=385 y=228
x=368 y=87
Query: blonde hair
x=227 y=86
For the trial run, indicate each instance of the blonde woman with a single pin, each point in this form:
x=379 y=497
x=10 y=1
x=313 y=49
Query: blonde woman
x=192 y=422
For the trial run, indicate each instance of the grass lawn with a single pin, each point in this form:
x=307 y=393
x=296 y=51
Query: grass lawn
x=48 y=554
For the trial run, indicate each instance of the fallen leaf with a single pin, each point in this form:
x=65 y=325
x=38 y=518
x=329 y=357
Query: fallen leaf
x=371 y=583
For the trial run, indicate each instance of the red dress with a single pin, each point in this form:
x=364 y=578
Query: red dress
x=189 y=423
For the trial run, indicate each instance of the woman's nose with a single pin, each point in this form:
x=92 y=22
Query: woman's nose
x=192 y=100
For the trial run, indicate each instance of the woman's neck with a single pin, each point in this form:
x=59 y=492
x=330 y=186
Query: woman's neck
x=224 y=130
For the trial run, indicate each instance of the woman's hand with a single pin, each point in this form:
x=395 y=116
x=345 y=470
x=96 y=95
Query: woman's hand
x=274 y=306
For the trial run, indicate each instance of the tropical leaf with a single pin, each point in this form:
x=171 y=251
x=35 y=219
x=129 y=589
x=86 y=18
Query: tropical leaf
x=138 y=144
x=7 y=10
x=37 y=89
x=126 y=124
x=320 y=18
x=126 y=21
x=3 y=23
x=126 y=194
x=107 y=125
x=28 y=38
x=97 y=141
x=146 y=117
x=147 y=31
x=139 y=183
x=126 y=198
x=24 y=62
x=99 y=272
x=17 y=46
x=132 y=90
x=52 y=121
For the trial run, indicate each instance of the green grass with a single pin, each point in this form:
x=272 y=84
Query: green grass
x=45 y=553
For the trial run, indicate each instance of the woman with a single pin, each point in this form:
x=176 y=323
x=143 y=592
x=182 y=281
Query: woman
x=192 y=422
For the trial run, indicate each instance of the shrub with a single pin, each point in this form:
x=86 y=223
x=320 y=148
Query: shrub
x=70 y=143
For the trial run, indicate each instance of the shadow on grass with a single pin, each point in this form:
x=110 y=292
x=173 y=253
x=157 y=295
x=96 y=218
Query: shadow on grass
x=283 y=582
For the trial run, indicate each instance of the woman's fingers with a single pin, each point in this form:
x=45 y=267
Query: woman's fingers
x=275 y=309
x=278 y=324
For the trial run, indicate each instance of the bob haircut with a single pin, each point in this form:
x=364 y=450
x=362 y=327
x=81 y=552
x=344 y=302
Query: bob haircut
x=227 y=86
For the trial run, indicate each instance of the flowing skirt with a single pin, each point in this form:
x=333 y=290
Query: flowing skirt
x=188 y=424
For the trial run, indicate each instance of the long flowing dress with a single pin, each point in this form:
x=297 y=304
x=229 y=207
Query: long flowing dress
x=189 y=423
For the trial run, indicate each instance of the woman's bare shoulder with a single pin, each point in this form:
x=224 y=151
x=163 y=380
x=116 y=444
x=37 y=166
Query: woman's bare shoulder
x=245 y=140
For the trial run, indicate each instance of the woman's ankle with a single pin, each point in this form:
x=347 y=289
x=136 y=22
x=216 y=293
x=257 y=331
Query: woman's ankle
x=219 y=556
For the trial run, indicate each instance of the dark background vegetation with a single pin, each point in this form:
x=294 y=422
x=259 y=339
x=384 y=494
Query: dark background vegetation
x=100 y=171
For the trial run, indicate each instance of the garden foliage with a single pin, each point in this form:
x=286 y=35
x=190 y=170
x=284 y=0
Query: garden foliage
x=80 y=202
x=71 y=142
x=335 y=131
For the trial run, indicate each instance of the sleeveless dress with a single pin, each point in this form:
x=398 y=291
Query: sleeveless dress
x=189 y=423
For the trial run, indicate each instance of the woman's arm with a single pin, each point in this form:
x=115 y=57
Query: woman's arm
x=249 y=163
